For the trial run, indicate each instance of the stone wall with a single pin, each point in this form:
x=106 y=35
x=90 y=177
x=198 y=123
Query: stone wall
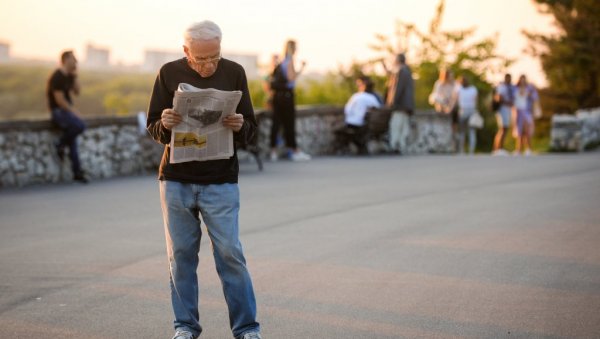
x=576 y=132
x=109 y=147
x=429 y=132
x=116 y=146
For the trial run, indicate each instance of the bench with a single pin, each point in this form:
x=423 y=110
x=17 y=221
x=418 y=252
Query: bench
x=375 y=128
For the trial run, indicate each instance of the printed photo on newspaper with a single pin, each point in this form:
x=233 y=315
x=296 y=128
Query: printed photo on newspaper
x=201 y=135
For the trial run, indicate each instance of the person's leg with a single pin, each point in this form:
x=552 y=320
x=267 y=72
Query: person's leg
x=289 y=121
x=404 y=131
x=472 y=140
x=71 y=126
x=503 y=138
x=182 y=233
x=219 y=206
x=520 y=132
x=461 y=135
x=499 y=137
x=505 y=115
x=527 y=134
x=360 y=139
x=276 y=123
x=394 y=131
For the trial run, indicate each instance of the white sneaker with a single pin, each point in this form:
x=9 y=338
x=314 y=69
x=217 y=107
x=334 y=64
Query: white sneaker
x=183 y=335
x=300 y=156
x=252 y=335
x=528 y=153
x=500 y=152
x=274 y=157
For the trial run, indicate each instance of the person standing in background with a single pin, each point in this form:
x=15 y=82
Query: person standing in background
x=467 y=106
x=284 y=105
x=267 y=80
x=443 y=92
x=400 y=98
x=526 y=102
x=505 y=96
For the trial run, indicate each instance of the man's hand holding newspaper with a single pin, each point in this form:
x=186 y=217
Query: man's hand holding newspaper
x=202 y=122
x=169 y=118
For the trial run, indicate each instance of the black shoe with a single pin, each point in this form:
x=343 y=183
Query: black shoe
x=81 y=178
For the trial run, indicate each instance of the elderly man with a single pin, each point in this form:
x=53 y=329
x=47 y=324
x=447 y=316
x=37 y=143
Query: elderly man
x=209 y=189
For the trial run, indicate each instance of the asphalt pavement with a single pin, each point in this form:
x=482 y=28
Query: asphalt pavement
x=338 y=247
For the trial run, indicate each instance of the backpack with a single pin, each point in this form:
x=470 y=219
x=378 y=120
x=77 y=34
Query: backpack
x=279 y=81
x=496 y=102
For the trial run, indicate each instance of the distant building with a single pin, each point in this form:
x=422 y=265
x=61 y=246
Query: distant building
x=154 y=59
x=4 y=52
x=96 y=58
x=248 y=61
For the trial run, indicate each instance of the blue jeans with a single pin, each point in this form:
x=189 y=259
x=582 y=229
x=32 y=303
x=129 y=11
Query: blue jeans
x=71 y=126
x=182 y=205
x=463 y=128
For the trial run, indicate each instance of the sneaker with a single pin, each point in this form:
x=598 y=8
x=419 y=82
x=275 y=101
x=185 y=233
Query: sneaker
x=528 y=153
x=300 y=156
x=183 y=335
x=500 y=152
x=251 y=335
x=274 y=157
x=81 y=178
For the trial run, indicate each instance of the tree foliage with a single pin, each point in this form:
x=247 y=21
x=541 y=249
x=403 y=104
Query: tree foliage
x=570 y=58
x=457 y=50
x=434 y=49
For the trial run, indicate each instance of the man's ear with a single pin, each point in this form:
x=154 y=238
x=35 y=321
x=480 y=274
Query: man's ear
x=186 y=50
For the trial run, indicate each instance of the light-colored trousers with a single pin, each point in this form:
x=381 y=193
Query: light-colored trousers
x=399 y=131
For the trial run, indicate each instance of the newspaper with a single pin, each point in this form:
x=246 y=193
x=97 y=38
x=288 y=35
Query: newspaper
x=201 y=136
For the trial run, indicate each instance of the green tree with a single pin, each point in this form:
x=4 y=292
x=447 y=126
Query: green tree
x=570 y=58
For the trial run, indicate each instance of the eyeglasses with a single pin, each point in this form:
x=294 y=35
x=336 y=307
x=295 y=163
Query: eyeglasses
x=200 y=62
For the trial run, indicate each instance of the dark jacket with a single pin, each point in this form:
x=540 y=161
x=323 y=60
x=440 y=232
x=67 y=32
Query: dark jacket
x=404 y=98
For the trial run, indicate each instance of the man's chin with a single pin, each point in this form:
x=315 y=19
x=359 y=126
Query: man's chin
x=207 y=74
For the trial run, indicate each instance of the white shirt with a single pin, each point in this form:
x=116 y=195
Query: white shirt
x=521 y=101
x=357 y=106
x=467 y=98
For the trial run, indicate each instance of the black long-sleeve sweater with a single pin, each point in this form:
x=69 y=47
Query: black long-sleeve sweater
x=229 y=76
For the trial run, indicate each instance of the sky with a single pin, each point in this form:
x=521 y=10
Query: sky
x=329 y=32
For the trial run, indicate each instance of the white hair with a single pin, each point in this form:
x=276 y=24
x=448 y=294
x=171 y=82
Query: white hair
x=202 y=31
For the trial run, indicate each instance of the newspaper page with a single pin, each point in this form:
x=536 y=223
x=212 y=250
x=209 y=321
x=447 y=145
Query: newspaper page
x=201 y=135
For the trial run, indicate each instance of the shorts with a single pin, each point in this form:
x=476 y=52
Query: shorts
x=503 y=117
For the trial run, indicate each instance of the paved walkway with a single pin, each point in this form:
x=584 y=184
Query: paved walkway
x=381 y=247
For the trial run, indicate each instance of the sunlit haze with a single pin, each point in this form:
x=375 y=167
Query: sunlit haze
x=329 y=33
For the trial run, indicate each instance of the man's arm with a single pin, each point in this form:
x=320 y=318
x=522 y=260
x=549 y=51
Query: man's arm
x=160 y=112
x=62 y=102
x=245 y=113
x=292 y=73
